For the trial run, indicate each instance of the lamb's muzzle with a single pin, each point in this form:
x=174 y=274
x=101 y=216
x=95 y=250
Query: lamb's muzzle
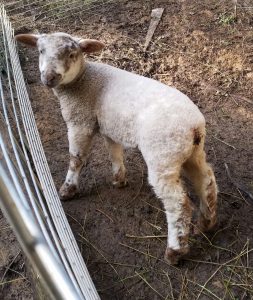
x=130 y=111
x=51 y=78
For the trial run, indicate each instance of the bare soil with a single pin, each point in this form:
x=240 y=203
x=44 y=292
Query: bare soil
x=200 y=48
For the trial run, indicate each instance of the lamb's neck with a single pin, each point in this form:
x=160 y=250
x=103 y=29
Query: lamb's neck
x=87 y=77
x=77 y=78
x=89 y=86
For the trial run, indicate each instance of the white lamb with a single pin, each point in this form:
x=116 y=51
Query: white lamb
x=130 y=111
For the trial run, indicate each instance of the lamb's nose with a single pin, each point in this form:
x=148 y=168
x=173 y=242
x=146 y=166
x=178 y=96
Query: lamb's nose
x=52 y=79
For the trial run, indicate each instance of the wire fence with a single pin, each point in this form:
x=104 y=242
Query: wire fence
x=28 y=196
x=25 y=13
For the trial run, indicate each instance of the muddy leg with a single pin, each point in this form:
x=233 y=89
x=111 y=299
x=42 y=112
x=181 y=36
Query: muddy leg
x=201 y=174
x=178 y=212
x=79 y=144
x=118 y=169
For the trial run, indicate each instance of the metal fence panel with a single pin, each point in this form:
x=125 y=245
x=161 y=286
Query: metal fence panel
x=40 y=193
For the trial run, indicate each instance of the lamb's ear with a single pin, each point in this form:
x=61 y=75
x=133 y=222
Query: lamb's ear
x=27 y=39
x=89 y=46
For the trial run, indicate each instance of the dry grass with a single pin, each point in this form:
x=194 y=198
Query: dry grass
x=235 y=272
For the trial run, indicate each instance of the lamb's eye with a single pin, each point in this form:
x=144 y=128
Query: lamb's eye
x=71 y=55
x=42 y=51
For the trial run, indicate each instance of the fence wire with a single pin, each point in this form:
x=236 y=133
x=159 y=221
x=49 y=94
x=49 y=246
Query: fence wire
x=27 y=186
x=33 y=13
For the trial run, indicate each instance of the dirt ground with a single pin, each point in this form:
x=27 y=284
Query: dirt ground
x=200 y=48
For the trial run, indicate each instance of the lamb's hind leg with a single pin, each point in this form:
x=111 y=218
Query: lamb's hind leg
x=118 y=169
x=169 y=189
x=201 y=174
x=79 y=144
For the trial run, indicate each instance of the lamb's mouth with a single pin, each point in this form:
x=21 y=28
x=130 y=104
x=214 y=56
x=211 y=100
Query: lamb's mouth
x=52 y=81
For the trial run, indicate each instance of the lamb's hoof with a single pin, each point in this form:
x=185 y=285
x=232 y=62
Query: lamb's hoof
x=173 y=256
x=206 y=225
x=68 y=191
x=120 y=184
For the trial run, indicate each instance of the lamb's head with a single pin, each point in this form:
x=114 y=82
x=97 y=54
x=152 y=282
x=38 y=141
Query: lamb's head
x=60 y=55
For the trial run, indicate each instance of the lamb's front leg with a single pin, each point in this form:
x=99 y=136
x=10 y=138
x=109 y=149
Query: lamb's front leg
x=118 y=169
x=79 y=143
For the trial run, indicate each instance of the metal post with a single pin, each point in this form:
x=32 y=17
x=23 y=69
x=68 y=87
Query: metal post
x=33 y=242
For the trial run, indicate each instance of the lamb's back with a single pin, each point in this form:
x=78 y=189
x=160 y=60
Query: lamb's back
x=128 y=101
